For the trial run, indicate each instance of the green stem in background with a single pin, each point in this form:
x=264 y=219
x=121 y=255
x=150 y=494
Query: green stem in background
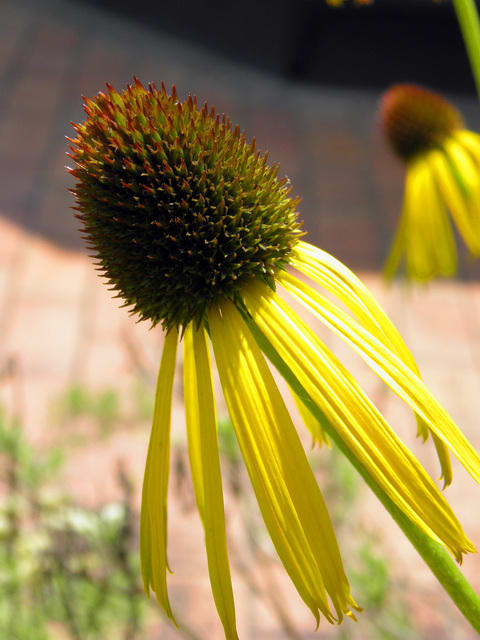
x=467 y=17
x=436 y=557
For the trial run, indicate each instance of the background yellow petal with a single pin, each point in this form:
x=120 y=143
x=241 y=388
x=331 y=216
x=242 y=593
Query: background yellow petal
x=205 y=466
x=417 y=229
x=454 y=196
x=441 y=240
x=464 y=165
x=430 y=248
x=399 y=245
x=424 y=237
x=470 y=141
x=466 y=173
x=153 y=516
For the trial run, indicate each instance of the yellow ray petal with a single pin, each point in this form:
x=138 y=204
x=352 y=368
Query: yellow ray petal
x=441 y=240
x=313 y=425
x=335 y=277
x=424 y=236
x=464 y=164
x=400 y=241
x=192 y=417
x=430 y=237
x=356 y=419
x=205 y=465
x=153 y=516
x=390 y=368
x=454 y=196
x=470 y=141
x=287 y=493
x=418 y=266
x=466 y=172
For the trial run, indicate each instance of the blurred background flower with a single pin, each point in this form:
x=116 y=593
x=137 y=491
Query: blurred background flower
x=442 y=162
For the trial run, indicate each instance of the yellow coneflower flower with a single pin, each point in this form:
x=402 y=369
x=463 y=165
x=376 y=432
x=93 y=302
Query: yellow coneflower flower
x=443 y=175
x=195 y=231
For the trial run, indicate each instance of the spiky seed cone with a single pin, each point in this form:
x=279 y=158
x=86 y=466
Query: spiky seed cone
x=180 y=211
x=415 y=119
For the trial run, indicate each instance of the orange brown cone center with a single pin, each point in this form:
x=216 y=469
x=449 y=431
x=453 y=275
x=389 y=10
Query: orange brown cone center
x=415 y=119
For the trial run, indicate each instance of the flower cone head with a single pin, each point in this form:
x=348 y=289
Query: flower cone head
x=180 y=210
x=415 y=119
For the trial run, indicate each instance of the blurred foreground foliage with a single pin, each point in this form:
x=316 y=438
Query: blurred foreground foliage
x=68 y=572
x=65 y=571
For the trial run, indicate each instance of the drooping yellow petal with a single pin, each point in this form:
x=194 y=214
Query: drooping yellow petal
x=356 y=419
x=192 y=418
x=153 y=516
x=288 y=495
x=336 y=278
x=313 y=425
x=455 y=197
x=464 y=166
x=424 y=236
x=470 y=141
x=205 y=465
x=390 y=368
x=400 y=241
x=418 y=265
x=430 y=248
x=466 y=173
x=441 y=241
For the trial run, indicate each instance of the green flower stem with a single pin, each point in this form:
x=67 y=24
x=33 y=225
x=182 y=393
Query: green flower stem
x=467 y=17
x=437 y=558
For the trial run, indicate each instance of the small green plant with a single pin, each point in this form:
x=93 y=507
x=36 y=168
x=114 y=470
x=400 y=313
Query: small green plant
x=103 y=409
x=143 y=399
x=76 y=401
x=106 y=408
x=387 y=617
x=102 y=406
x=372 y=575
